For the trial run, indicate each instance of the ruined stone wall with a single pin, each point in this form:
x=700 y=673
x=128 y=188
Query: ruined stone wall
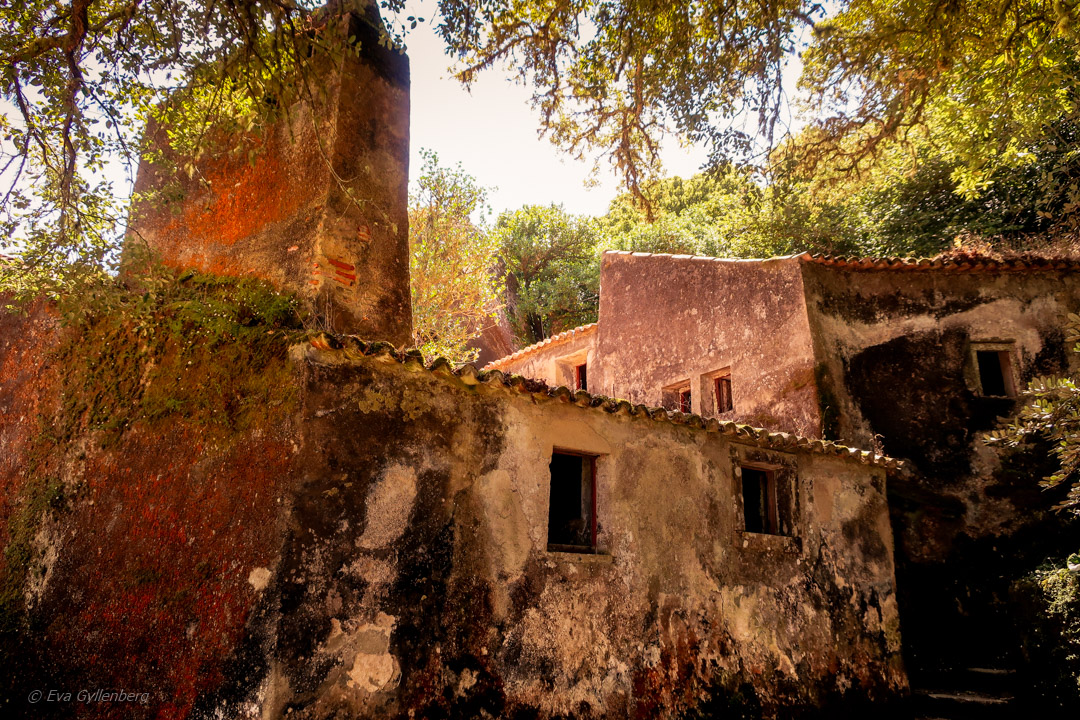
x=668 y=319
x=377 y=548
x=317 y=204
x=895 y=366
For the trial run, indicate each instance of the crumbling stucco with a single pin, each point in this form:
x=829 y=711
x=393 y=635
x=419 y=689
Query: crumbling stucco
x=384 y=552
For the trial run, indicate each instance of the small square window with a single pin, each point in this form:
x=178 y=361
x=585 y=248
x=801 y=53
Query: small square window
x=581 y=377
x=993 y=369
x=572 y=503
x=678 y=397
x=766 y=507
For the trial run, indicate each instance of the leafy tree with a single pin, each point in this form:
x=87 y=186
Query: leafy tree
x=981 y=79
x=552 y=273
x=80 y=79
x=1051 y=410
x=454 y=289
x=726 y=213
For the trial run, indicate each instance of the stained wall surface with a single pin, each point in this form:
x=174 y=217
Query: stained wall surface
x=379 y=549
x=321 y=205
x=896 y=366
x=667 y=320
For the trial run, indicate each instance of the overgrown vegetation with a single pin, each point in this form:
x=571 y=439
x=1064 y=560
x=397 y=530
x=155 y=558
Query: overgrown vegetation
x=1048 y=602
x=1050 y=410
x=162 y=342
x=155 y=345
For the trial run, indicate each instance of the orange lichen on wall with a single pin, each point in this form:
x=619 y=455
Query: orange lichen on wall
x=242 y=197
x=27 y=389
x=179 y=525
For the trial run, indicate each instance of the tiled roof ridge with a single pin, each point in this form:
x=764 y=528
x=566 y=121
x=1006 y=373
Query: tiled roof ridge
x=969 y=262
x=700 y=258
x=966 y=262
x=353 y=348
x=556 y=339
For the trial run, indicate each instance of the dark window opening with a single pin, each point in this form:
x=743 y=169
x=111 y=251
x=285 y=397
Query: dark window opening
x=760 y=509
x=993 y=366
x=684 y=400
x=572 y=507
x=722 y=388
x=581 y=377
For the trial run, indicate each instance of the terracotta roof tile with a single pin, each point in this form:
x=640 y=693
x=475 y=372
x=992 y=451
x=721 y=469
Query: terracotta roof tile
x=949 y=263
x=953 y=263
x=557 y=339
x=700 y=258
x=332 y=348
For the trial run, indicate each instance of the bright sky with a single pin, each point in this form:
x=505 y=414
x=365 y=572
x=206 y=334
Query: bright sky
x=492 y=132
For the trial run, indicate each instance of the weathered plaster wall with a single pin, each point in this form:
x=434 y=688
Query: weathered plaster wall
x=894 y=353
x=666 y=319
x=382 y=549
x=895 y=367
x=553 y=360
x=322 y=207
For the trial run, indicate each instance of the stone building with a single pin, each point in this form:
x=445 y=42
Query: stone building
x=389 y=539
x=917 y=358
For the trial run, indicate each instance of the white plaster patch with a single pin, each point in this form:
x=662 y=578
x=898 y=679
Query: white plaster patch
x=259 y=578
x=389 y=505
x=372 y=673
x=47 y=549
x=374 y=668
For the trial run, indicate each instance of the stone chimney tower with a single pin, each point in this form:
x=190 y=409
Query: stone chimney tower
x=323 y=209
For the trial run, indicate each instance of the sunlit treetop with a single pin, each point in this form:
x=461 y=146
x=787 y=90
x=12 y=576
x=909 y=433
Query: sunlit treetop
x=979 y=81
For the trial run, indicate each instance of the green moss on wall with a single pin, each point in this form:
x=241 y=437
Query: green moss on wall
x=210 y=349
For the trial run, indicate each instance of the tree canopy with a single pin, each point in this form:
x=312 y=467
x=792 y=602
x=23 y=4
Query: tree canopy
x=983 y=88
x=552 y=273
x=455 y=287
x=980 y=79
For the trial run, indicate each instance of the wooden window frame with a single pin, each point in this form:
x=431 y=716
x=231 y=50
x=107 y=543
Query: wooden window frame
x=782 y=469
x=672 y=396
x=579 y=370
x=711 y=394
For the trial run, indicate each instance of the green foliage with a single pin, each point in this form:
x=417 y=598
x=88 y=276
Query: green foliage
x=726 y=213
x=211 y=350
x=455 y=289
x=1051 y=410
x=39 y=497
x=552 y=270
x=79 y=80
x=1048 y=617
